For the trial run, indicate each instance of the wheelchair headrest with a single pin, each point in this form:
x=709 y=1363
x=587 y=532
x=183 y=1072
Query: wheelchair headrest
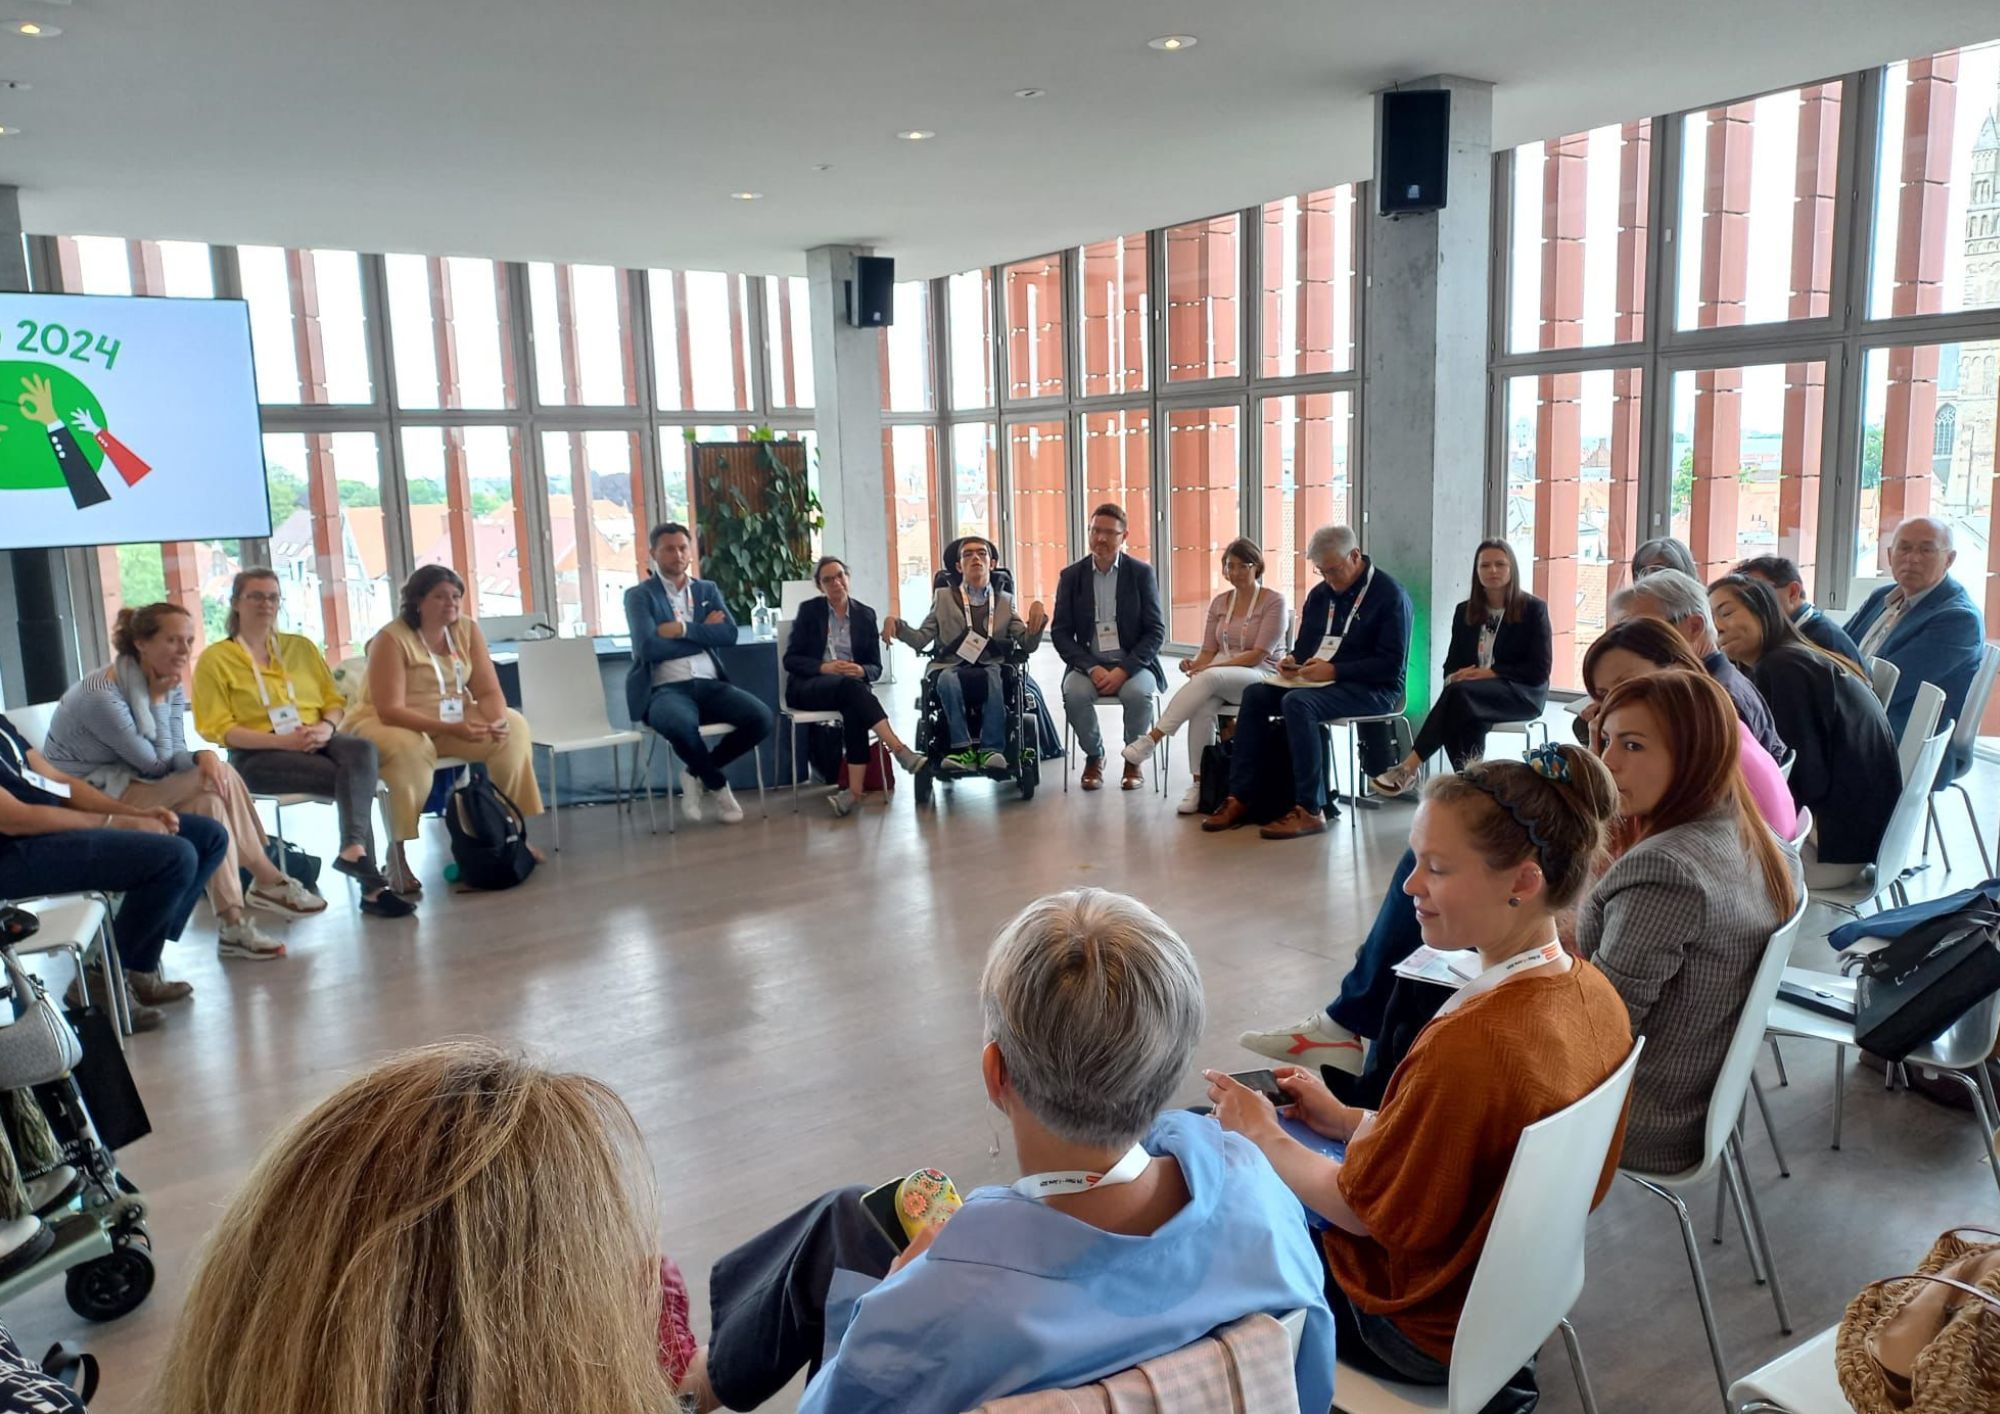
x=949 y=577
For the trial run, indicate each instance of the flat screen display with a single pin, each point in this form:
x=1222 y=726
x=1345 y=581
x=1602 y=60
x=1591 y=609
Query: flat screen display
x=128 y=420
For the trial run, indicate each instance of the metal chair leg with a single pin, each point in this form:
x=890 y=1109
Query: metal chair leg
x=1770 y=1129
x=1981 y=1091
x=795 y=763
x=555 y=797
x=1777 y=1055
x=1839 y=1091
x=1583 y=1390
x=1733 y=1185
x=1758 y=1236
x=1972 y=817
x=1701 y=1295
x=1931 y=825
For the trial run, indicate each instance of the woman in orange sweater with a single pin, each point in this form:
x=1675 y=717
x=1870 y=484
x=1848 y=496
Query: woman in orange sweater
x=1501 y=849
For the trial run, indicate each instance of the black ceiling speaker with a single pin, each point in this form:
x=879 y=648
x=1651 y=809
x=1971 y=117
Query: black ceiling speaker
x=871 y=294
x=1412 y=148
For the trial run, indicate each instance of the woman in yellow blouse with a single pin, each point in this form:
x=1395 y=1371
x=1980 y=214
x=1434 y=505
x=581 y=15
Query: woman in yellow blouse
x=431 y=691
x=269 y=697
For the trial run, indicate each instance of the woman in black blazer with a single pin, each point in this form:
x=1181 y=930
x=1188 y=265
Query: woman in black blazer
x=834 y=654
x=1845 y=766
x=1496 y=671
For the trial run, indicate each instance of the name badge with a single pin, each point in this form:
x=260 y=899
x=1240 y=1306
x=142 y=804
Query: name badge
x=285 y=719
x=1328 y=646
x=58 y=789
x=451 y=710
x=972 y=645
x=1107 y=639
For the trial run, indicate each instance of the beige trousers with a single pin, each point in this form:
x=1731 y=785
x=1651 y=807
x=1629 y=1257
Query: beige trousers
x=187 y=793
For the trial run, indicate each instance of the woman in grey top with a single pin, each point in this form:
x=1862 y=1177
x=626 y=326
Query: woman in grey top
x=1676 y=923
x=124 y=729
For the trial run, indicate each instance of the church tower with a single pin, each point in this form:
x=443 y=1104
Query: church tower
x=1963 y=435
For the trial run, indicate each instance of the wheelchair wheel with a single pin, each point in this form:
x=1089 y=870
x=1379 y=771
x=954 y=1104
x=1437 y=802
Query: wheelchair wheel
x=114 y=1285
x=921 y=783
x=1031 y=775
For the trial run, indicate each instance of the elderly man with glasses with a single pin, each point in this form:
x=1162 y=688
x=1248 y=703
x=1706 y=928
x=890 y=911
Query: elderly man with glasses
x=1925 y=623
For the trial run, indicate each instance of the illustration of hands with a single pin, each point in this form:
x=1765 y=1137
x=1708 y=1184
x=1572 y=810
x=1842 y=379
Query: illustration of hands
x=116 y=452
x=84 y=422
x=37 y=400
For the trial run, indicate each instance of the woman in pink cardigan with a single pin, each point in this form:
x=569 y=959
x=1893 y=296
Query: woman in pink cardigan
x=1239 y=644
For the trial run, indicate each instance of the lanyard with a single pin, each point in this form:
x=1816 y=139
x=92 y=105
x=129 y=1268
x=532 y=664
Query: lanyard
x=1240 y=627
x=1061 y=1182
x=263 y=692
x=992 y=609
x=14 y=760
x=1355 y=607
x=457 y=668
x=1500 y=972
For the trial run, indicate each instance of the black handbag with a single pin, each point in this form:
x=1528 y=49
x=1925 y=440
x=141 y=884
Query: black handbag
x=104 y=1082
x=291 y=860
x=1214 y=777
x=1911 y=992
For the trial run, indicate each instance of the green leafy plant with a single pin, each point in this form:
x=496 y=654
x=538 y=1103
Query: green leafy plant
x=746 y=547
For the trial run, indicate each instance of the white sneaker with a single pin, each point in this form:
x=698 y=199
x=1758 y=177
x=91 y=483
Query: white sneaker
x=244 y=938
x=840 y=803
x=1137 y=750
x=289 y=897
x=1394 y=781
x=1191 y=802
x=726 y=808
x=1318 y=1040
x=691 y=793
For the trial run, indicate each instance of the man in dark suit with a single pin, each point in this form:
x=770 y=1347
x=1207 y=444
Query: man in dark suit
x=1790 y=587
x=1109 y=629
x=1926 y=624
x=676 y=684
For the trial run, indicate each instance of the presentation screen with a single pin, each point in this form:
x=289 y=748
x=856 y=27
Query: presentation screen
x=125 y=419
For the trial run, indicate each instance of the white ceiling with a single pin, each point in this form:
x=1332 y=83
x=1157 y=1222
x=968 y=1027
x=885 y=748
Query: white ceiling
x=614 y=130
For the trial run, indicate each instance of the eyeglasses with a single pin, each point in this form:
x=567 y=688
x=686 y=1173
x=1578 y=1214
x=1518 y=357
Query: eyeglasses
x=270 y=600
x=1926 y=549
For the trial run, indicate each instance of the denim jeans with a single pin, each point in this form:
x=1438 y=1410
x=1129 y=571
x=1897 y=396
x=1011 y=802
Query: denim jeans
x=1364 y=991
x=160 y=876
x=992 y=716
x=678 y=711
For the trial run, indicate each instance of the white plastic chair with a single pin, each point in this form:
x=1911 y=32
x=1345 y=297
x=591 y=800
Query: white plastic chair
x=1896 y=856
x=1924 y=714
x=796 y=718
x=1525 y=730
x=80 y=925
x=32 y=722
x=1884 y=675
x=1530 y=1271
x=1722 y=1147
x=1801 y=1381
x=562 y=697
x=1963 y=737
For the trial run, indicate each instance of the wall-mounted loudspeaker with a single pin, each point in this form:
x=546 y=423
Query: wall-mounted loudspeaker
x=1412 y=145
x=871 y=294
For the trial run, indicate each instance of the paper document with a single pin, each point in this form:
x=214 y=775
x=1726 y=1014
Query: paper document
x=1446 y=969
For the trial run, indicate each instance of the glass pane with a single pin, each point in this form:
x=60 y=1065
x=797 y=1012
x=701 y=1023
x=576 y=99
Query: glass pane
x=1203 y=265
x=909 y=459
x=306 y=324
x=582 y=321
x=677 y=467
x=106 y=265
x=906 y=351
x=329 y=544
x=448 y=326
x=468 y=510
x=1937 y=193
x=1746 y=464
x=594 y=568
x=1040 y=479
x=788 y=333
x=1203 y=514
x=1309 y=284
x=1118 y=466
x=1756 y=201
x=1114 y=315
x=974 y=480
x=1035 y=328
x=701 y=339
x=1572 y=516
x=1931 y=409
x=1305 y=475
x=1577 y=270
x=969 y=306
x=196 y=573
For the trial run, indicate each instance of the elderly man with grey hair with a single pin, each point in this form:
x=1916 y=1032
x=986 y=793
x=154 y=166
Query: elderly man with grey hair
x=1680 y=599
x=1349 y=660
x=1925 y=623
x=1092 y=1007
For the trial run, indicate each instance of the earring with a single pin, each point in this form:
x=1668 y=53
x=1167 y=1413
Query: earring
x=1513 y=903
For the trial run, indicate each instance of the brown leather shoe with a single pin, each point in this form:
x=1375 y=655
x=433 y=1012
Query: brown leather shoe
x=1133 y=778
x=1228 y=817
x=1093 y=773
x=1296 y=823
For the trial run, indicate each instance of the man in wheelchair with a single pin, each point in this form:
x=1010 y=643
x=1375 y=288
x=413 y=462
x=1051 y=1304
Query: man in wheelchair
x=976 y=628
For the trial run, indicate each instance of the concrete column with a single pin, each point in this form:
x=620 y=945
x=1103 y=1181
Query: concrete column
x=1424 y=455
x=847 y=414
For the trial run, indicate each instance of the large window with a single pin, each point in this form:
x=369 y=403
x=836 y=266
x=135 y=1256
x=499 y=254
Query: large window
x=1746 y=464
x=1118 y=467
x=469 y=510
x=1203 y=510
x=1204 y=314
x=1577 y=267
x=597 y=509
x=328 y=544
x=1572 y=498
x=582 y=326
x=1937 y=188
x=975 y=480
x=910 y=466
x=1112 y=316
x=307 y=325
x=906 y=352
x=969 y=311
x=788 y=341
x=448 y=326
x=1928 y=426
x=1303 y=458
x=1033 y=290
x=1039 y=475
x=1308 y=284
x=701 y=340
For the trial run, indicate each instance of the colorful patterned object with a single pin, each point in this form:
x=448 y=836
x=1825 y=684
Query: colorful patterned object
x=925 y=1199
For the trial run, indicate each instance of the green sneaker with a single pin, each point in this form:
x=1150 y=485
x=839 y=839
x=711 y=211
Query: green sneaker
x=961 y=763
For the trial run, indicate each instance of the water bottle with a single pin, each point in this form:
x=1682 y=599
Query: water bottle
x=763 y=621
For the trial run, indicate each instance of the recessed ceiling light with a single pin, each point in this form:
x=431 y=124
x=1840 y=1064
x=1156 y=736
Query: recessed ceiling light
x=822 y=166
x=916 y=134
x=1031 y=93
x=10 y=132
x=746 y=196
x=1173 y=42
x=33 y=29
x=15 y=85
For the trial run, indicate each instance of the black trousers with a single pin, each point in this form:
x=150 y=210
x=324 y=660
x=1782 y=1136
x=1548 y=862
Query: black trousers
x=1462 y=713
x=767 y=1299
x=860 y=709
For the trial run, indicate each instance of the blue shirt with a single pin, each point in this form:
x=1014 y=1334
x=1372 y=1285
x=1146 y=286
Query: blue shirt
x=1015 y=1296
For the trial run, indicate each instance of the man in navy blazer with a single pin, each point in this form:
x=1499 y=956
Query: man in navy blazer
x=1109 y=630
x=1926 y=624
x=676 y=684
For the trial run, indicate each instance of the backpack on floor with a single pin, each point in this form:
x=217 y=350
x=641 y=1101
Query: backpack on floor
x=489 y=836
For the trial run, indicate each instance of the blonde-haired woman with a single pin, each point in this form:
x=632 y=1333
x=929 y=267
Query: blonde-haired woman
x=458 y=1231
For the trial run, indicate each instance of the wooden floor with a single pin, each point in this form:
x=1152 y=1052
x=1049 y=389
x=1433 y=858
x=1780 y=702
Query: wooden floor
x=791 y=1004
